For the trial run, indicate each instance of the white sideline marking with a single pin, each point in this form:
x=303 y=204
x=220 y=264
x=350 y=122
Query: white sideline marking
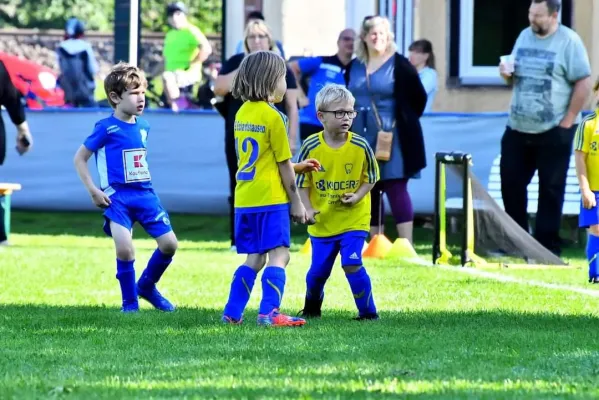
x=511 y=279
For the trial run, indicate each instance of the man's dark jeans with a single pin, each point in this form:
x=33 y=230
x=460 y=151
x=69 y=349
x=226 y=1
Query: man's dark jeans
x=521 y=155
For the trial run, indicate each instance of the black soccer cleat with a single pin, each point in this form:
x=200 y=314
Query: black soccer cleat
x=312 y=308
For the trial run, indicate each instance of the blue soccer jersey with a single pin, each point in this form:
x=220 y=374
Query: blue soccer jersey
x=120 y=150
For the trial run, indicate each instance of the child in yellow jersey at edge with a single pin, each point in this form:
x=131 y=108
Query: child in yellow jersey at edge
x=266 y=196
x=337 y=200
x=586 y=153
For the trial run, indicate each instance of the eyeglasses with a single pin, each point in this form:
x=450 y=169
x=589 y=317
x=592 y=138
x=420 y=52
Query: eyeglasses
x=341 y=114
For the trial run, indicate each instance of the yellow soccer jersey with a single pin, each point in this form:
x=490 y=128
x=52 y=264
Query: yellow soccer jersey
x=261 y=142
x=587 y=141
x=343 y=171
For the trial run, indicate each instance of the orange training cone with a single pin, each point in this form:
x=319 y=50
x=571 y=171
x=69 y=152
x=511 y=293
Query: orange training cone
x=306 y=248
x=378 y=248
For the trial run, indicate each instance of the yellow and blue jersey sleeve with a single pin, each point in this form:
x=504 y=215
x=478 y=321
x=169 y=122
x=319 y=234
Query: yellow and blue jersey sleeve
x=371 y=165
x=586 y=140
x=584 y=133
x=305 y=180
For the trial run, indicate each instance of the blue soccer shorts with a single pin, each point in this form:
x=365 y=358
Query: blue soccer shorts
x=258 y=232
x=349 y=244
x=137 y=205
x=588 y=217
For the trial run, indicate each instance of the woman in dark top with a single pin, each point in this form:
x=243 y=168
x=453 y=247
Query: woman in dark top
x=10 y=98
x=257 y=38
x=390 y=99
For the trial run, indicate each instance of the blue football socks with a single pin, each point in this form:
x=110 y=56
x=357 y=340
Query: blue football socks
x=126 y=276
x=361 y=287
x=273 y=287
x=241 y=289
x=316 y=278
x=157 y=264
x=592 y=257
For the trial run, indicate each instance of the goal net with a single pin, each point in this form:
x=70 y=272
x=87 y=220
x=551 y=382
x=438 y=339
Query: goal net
x=488 y=235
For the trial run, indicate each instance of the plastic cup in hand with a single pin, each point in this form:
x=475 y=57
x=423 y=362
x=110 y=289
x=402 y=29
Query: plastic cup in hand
x=508 y=63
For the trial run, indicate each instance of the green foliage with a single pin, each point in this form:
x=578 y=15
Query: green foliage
x=52 y=14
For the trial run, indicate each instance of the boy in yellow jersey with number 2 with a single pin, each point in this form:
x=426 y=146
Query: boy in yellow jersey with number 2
x=586 y=154
x=337 y=199
x=265 y=193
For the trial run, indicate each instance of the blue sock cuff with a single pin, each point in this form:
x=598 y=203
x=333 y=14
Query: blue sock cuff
x=164 y=257
x=274 y=273
x=124 y=266
x=246 y=272
x=358 y=274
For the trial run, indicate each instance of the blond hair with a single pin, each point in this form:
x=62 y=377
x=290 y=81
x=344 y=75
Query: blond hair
x=333 y=93
x=258 y=76
x=122 y=77
x=258 y=25
x=367 y=25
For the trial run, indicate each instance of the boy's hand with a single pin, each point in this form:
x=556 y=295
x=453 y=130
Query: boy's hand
x=100 y=198
x=588 y=199
x=298 y=212
x=350 y=199
x=309 y=165
x=311 y=216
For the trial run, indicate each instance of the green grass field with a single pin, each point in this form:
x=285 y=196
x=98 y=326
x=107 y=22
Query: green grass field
x=443 y=333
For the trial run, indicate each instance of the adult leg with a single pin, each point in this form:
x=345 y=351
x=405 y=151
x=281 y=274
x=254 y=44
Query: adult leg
x=401 y=206
x=553 y=159
x=232 y=168
x=3 y=233
x=377 y=210
x=517 y=167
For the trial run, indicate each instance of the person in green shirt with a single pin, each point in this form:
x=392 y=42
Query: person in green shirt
x=185 y=49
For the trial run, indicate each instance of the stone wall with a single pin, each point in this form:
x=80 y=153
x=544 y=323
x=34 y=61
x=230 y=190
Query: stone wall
x=39 y=46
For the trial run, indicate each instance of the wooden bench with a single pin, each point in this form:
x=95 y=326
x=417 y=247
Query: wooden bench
x=571 y=207
x=6 y=190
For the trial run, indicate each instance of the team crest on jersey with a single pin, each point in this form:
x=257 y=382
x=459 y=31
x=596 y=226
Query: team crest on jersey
x=348 y=168
x=144 y=136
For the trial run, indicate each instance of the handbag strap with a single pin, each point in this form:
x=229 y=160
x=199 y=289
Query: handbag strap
x=377 y=116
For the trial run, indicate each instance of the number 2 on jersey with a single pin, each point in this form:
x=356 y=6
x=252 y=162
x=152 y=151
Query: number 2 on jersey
x=248 y=171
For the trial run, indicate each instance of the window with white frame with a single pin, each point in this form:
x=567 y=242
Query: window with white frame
x=484 y=30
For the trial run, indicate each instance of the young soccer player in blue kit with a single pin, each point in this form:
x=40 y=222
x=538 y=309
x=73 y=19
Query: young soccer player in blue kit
x=265 y=193
x=337 y=200
x=125 y=193
x=586 y=155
